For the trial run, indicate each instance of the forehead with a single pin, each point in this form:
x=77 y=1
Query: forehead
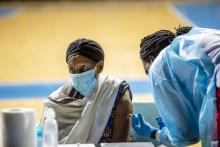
x=79 y=59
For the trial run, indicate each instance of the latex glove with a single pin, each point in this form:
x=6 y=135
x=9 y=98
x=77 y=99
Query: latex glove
x=160 y=122
x=141 y=126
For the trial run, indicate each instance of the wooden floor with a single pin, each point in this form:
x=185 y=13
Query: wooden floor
x=34 y=39
x=35 y=36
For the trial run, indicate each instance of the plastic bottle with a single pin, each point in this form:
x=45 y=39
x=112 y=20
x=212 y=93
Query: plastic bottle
x=39 y=136
x=50 y=129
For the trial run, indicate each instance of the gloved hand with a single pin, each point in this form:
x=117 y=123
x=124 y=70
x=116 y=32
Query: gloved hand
x=141 y=126
x=160 y=122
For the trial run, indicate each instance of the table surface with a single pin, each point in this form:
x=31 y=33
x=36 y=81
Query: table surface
x=136 y=144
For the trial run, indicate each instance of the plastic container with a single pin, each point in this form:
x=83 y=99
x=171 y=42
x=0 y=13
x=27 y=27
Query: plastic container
x=39 y=136
x=50 y=129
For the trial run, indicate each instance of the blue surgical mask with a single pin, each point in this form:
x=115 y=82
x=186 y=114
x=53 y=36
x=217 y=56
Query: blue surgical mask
x=85 y=82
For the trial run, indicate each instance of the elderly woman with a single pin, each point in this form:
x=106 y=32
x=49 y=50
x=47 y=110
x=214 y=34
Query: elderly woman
x=91 y=108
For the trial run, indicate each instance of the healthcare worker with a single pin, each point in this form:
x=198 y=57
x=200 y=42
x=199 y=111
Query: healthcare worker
x=184 y=71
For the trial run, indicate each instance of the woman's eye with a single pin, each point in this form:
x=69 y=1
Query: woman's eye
x=72 y=71
x=87 y=68
x=83 y=69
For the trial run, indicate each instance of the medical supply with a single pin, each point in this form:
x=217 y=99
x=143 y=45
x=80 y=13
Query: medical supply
x=142 y=127
x=50 y=129
x=18 y=127
x=85 y=82
x=160 y=122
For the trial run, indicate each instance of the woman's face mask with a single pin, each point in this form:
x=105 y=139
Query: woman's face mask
x=85 y=82
x=83 y=73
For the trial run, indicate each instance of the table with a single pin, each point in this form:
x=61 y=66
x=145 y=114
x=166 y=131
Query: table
x=135 y=144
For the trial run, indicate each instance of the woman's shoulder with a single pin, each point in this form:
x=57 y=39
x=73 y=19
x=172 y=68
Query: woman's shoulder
x=62 y=94
x=111 y=78
x=67 y=86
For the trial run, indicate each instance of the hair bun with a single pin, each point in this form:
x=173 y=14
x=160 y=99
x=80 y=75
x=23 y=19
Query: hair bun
x=182 y=30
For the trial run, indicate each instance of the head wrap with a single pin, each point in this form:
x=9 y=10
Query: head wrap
x=87 y=48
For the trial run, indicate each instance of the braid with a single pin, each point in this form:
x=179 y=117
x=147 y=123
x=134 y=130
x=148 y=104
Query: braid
x=152 y=45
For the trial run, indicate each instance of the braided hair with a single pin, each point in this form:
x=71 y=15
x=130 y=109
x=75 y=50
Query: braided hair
x=151 y=45
x=182 y=30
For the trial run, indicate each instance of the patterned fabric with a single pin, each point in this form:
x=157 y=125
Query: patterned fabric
x=218 y=112
x=107 y=134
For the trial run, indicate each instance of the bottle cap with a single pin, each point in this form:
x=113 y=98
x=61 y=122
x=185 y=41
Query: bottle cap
x=39 y=131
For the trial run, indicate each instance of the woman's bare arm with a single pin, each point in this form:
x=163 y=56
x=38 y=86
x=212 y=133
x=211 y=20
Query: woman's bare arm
x=122 y=123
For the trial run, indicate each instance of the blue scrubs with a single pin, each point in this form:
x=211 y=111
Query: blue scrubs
x=183 y=79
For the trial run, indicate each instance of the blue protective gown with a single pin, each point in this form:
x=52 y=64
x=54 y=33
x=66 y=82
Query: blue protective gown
x=183 y=79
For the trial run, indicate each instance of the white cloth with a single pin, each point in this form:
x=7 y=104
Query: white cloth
x=84 y=120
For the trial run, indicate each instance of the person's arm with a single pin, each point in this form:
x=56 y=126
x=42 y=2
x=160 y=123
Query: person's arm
x=143 y=128
x=176 y=107
x=179 y=115
x=122 y=123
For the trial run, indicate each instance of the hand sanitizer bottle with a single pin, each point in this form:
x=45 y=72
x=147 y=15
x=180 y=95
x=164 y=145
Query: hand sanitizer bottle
x=50 y=130
x=39 y=136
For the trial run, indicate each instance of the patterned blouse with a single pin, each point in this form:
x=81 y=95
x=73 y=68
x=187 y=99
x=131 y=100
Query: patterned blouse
x=107 y=134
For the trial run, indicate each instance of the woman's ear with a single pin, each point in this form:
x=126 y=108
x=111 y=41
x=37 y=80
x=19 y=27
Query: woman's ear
x=99 y=67
x=146 y=66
